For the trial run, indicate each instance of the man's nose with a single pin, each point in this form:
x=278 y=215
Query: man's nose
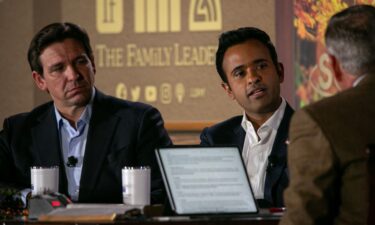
x=72 y=73
x=252 y=76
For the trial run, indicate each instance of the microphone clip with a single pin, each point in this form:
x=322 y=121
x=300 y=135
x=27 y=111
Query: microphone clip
x=272 y=162
x=72 y=161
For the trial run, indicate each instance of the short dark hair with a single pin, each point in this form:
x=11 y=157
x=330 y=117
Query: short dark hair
x=239 y=36
x=55 y=32
x=350 y=37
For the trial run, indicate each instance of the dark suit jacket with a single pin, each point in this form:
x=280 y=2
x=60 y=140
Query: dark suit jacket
x=230 y=132
x=121 y=133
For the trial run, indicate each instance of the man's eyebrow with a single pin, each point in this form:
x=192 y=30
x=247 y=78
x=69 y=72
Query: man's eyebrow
x=83 y=55
x=54 y=66
x=259 y=61
x=238 y=67
x=256 y=61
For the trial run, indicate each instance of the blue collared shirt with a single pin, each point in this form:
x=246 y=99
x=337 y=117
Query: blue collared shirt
x=73 y=144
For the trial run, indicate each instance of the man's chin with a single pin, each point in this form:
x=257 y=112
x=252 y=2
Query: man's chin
x=80 y=100
x=263 y=108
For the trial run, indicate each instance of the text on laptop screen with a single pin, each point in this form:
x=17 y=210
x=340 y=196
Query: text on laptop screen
x=206 y=180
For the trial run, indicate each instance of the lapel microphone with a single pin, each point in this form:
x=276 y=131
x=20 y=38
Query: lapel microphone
x=275 y=161
x=72 y=161
x=272 y=162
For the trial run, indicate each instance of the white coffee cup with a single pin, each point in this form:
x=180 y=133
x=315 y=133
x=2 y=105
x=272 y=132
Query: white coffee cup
x=136 y=185
x=44 y=180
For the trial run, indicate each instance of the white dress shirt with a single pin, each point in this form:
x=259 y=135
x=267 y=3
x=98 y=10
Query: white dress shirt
x=73 y=144
x=256 y=151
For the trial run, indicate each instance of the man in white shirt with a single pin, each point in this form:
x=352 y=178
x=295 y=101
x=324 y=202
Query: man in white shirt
x=247 y=63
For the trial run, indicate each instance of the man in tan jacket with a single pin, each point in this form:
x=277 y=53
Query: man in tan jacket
x=328 y=139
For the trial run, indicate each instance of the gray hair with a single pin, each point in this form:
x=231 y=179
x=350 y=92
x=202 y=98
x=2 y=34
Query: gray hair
x=350 y=37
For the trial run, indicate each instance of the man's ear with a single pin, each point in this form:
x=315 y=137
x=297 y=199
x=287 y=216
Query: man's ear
x=280 y=71
x=228 y=90
x=39 y=81
x=337 y=72
x=344 y=79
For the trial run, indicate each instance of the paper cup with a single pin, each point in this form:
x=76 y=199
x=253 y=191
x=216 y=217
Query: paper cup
x=44 y=180
x=136 y=185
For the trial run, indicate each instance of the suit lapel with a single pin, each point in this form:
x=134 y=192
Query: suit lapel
x=102 y=125
x=239 y=136
x=47 y=145
x=277 y=158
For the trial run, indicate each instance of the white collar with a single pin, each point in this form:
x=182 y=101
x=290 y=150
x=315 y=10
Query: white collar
x=272 y=122
x=359 y=79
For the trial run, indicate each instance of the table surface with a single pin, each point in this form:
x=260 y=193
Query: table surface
x=148 y=217
x=161 y=221
x=164 y=220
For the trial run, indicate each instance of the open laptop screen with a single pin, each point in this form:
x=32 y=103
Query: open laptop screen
x=206 y=180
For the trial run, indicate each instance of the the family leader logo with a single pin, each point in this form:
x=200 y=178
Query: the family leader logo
x=158 y=16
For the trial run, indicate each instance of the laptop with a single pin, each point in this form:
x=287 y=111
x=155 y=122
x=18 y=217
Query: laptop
x=206 y=181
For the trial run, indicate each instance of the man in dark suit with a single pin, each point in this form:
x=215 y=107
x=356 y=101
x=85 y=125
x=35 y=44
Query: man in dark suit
x=89 y=135
x=328 y=139
x=247 y=63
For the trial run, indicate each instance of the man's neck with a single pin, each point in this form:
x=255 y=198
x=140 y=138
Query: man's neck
x=71 y=114
x=257 y=120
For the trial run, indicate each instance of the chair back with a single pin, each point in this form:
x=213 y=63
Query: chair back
x=371 y=170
